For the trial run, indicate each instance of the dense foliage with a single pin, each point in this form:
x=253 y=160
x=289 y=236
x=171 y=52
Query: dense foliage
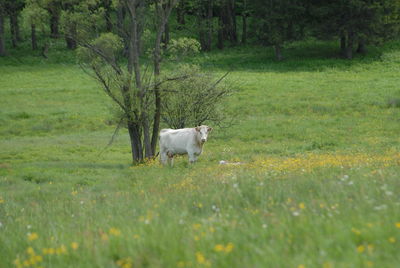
x=215 y=23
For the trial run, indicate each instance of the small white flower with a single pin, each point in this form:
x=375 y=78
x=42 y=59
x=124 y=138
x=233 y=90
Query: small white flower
x=261 y=184
x=82 y=202
x=351 y=183
x=381 y=207
x=72 y=215
x=389 y=193
x=146 y=221
x=264 y=225
x=296 y=213
x=1 y=225
x=181 y=221
x=29 y=226
x=235 y=185
x=215 y=208
x=345 y=177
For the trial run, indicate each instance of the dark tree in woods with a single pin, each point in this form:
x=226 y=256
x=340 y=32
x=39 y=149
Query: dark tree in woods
x=53 y=7
x=2 y=37
x=13 y=8
x=357 y=22
x=226 y=22
x=278 y=21
x=35 y=16
x=205 y=23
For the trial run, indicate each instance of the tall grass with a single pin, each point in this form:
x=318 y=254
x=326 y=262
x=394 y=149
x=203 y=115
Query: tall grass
x=316 y=184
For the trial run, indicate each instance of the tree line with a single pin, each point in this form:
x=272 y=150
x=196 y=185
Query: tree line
x=219 y=23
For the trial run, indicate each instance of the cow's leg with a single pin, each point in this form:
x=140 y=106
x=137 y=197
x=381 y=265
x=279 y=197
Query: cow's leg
x=192 y=158
x=170 y=159
x=163 y=157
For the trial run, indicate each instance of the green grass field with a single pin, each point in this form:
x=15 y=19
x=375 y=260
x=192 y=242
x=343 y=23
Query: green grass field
x=318 y=184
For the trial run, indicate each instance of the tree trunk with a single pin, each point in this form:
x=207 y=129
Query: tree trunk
x=220 y=41
x=13 y=30
x=278 y=52
x=54 y=22
x=134 y=68
x=343 y=45
x=202 y=28
x=362 y=48
x=349 y=47
x=70 y=37
x=244 y=31
x=209 y=24
x=165 y=39
x=232 y=22
x=134 y=135
x=17 y=29
x=165 y=11
x=33 y=37
x=180 y=13
x=107 y=15
x=2 y=41
x=157 y=94
x=120 y=17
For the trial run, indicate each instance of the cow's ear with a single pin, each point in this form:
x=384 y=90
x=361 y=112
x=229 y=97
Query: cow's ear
x=197 y=128
x=209 y=129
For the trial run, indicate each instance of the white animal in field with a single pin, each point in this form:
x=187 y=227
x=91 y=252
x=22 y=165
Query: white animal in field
x=188 y=141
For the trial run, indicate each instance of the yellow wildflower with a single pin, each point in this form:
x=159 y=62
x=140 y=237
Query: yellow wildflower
x=392 y=240
x=196 y=226
x=114 y=231
x=74 y=245
x=200 y=258
x=32 y=236
x=370 y=248
x=360 y=248
x=196 y=238
x=397 y=224
x=301 y=266
x=229 y=247
x=74 y=192
x=370 y=264
x=1 y=200
x=356 y=231
x=61 y=250
x=104 y=237
x=327 y=265
x=302 y=206
x=219 y=248
x=38 y=258
x=30 y=251
x=18 y=263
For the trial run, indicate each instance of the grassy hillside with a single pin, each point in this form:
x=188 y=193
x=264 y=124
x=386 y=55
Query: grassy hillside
x=318 y=142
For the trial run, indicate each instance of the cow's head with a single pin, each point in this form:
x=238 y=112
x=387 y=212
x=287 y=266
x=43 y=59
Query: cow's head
x=202 y=133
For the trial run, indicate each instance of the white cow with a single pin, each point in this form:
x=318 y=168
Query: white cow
x=188 y=141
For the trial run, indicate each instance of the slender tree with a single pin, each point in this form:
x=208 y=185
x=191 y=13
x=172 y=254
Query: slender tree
x=278 y=21
x=136 y=93
x=2 y=37
x=35 y=16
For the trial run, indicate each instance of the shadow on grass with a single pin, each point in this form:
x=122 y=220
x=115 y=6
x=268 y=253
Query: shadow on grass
x=75 y=165
x=298 y=57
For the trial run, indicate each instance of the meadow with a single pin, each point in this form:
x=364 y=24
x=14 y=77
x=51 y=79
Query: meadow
x=318 y=185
